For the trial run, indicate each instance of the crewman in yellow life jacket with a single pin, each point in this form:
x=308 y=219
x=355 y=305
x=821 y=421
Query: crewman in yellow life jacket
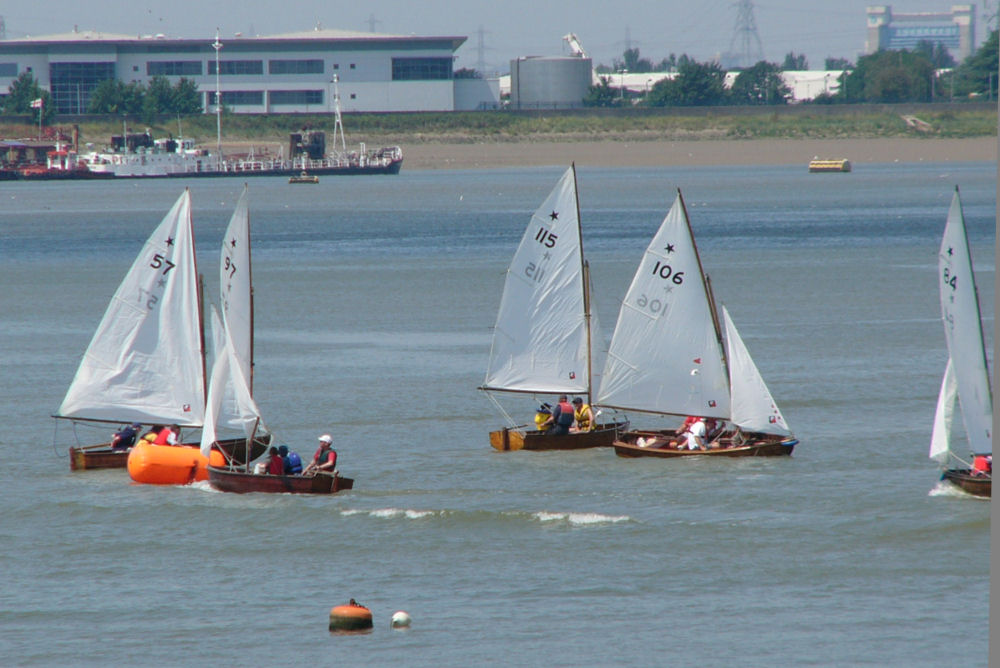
x=542 y=416
x=583 y=414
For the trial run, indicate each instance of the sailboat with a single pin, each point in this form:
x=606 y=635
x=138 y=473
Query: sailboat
x=667 y=358
x=966 y=377
x=230 y=403
x=143 y=364
x=546 y=332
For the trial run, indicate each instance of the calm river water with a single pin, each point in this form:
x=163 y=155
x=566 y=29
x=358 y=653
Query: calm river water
x=375 y=297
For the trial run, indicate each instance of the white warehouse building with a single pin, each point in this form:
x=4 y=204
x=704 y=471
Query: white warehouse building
x=291 y=73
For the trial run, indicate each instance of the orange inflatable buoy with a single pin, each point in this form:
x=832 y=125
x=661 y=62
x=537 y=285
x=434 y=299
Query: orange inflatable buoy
x=350 y=617
x=170 y=464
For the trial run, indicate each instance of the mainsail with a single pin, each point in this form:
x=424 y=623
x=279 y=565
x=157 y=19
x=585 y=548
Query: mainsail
x=541 y=342
x=666 y=354
x=145 y=362
x=235 y=286
x=230 y=402
x=964 y=332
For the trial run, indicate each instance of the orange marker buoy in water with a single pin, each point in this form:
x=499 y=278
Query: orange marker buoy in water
x=350 y=617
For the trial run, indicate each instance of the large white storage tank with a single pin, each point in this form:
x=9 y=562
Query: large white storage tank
x=549 y=82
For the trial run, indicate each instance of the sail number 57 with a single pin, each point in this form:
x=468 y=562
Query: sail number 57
x=160 y=261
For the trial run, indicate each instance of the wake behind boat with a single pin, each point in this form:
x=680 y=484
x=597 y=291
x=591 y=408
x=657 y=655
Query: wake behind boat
x=545 y=333
x=966 y=376
x=667 y=358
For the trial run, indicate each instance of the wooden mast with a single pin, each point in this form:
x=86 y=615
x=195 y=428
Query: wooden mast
x=585 y=277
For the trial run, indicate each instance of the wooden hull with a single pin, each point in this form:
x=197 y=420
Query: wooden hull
x=515 y=439
x=96 y=457
x=977 y=485
x=758 y=445
x=241 y=482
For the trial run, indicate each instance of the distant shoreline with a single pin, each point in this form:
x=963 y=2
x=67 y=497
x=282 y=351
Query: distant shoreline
x=694 y=153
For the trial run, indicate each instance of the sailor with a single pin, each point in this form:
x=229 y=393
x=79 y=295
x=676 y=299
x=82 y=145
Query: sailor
x=275 y=462
x=325 y=458
x=562 y=417
x=696 y=435
x=168 y=435
x=542 y=417
x=583 y=414
x=293 y=463
x=125 y=437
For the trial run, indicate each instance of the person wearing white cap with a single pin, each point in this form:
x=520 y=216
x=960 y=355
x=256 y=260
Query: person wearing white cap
x=325 y=458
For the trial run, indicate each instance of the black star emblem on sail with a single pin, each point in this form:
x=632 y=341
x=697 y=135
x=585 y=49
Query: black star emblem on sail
x=554 y=216
x=232 y=242
x=170 y=241
x=670 y=248
x=950 y=251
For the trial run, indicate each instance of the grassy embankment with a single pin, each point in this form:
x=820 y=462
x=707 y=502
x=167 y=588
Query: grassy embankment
x=803 y=122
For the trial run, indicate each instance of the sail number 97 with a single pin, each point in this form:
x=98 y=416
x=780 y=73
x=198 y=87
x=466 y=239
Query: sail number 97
x=665 y=272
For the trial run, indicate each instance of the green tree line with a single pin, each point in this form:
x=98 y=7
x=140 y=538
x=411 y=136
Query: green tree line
x=926 y=74
x=109 y=97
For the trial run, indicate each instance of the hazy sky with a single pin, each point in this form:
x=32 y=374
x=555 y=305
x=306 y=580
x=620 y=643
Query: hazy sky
x=508 y=28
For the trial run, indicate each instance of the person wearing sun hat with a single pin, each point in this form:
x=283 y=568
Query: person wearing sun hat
x=325 y=458
x=542 y=416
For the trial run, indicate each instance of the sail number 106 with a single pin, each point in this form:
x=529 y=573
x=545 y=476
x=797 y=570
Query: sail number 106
x=665 y=272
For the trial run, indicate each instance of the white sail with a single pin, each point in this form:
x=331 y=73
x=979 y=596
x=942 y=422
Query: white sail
x=540 y=338
x=145 y=363
x=753 y=407
x=229 y=404
x=944 y=416
x=963 y=330
x=235 y=281
x=665 y=355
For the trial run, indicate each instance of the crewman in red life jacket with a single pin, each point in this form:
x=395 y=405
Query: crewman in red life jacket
x=562 y=417
x=982 y=465
x=275 y=462
x=168 y=435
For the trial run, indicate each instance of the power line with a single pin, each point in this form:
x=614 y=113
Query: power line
x=745 y=33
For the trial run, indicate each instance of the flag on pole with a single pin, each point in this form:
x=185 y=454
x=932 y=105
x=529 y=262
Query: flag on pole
x=36 y=103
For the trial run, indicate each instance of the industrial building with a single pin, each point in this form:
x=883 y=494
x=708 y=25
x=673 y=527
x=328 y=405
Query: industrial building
x=956 y=29
x=550 y=82
x=291 y=73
